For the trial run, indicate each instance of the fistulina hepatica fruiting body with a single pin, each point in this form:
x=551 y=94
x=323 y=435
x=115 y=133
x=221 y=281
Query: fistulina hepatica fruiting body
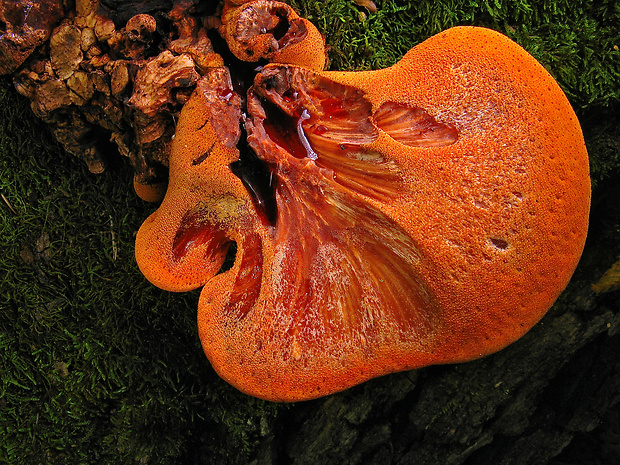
x=426 y=213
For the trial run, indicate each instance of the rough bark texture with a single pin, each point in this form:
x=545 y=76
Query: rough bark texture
x=113 y=75
x=24 y=25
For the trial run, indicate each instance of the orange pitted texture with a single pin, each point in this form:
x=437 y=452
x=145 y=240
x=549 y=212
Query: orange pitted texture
x=178 y=263
x=427 y=213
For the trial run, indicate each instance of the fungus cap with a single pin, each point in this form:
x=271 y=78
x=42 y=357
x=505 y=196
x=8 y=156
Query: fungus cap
x=427 y=213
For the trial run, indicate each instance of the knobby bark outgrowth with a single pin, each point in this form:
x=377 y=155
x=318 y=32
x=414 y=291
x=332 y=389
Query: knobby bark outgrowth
x=110 y=76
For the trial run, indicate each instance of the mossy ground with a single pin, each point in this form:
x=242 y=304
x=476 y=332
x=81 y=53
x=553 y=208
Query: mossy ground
x=97 y=365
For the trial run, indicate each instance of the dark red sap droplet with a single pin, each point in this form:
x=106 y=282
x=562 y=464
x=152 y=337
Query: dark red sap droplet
x=290 y=96
x=318 y=129
x=226 y=93
x=333 y=108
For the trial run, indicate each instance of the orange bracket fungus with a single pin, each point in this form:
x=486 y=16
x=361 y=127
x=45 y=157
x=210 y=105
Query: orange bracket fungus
x=426 y=213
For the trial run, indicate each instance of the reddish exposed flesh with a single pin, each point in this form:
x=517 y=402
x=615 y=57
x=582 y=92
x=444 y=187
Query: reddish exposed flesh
x=374 y=258
x=247 y=286
x=335 y=121
x=194 y=233
x=282 y=129
x=413 y=126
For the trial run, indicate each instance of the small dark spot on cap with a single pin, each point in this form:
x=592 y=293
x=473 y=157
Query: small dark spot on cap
x=499 y=243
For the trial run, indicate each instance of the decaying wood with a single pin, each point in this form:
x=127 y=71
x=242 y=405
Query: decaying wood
x=24 y=25
x=103 y=76
x=116 y=73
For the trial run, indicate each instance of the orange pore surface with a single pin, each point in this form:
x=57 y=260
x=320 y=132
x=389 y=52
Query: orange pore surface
x=441 y=209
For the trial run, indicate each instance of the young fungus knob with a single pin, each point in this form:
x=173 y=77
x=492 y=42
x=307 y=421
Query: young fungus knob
x=266 y=29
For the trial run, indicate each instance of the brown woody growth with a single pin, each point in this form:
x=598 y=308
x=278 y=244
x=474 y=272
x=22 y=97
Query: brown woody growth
x=105 y=79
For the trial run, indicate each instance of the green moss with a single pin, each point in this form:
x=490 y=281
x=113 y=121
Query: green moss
x=98 y=366
x=577 y=41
